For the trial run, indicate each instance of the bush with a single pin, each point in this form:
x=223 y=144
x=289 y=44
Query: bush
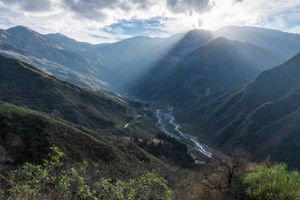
x=275 y=183
x=53 y=180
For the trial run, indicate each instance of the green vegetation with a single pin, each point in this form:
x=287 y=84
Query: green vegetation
x=26 y=135
x=168 y=149
x=227 y=179
x=273 y=183
x=235 y=178
x=54 y=180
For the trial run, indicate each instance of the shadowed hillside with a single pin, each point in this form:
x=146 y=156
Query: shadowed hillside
x=24 y=85
x=220 y=65
x=263 y=118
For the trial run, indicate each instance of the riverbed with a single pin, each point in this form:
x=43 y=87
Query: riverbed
x=167 y=124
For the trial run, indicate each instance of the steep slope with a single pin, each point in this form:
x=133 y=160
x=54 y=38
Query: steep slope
x=263 y=118
x=285 y=45
x=24 y=85
x=218 y=66
x=161 y=69
x=60 y=59
x=70 y=43
x=27 y=135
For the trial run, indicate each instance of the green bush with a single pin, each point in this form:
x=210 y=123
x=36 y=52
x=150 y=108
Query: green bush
x=53 y=180
x=274 y=183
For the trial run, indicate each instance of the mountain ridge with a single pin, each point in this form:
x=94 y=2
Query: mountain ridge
x=220 y=65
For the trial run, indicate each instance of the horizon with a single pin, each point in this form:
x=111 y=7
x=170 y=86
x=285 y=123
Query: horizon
x=109 y=21
x=149 y=36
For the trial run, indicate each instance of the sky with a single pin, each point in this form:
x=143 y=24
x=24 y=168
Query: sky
x=102 y=21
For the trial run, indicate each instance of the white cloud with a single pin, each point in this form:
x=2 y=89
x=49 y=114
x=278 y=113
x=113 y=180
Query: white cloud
x=87 y=19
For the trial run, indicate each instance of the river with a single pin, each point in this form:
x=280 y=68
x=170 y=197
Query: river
x=167 y=124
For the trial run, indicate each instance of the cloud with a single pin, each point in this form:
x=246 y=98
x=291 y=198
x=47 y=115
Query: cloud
x=109 y=20
x=29 y=5
x=106 y=9
x=188 y=6
x=91 y=9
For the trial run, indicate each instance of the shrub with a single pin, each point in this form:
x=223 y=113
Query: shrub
x=53 y=180
x=274 y=183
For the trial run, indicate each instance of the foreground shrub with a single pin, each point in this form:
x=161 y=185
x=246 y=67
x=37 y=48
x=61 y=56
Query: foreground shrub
x=275 y=183
x=53 y=180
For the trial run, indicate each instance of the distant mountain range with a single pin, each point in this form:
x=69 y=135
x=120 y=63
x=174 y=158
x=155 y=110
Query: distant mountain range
x=132 y=64
x=285 y=45
x=219 y=65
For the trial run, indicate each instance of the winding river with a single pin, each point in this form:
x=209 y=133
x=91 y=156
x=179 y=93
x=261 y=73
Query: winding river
x=167 y=124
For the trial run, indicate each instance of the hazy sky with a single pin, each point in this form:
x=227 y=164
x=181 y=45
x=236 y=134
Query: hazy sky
x=100 y=21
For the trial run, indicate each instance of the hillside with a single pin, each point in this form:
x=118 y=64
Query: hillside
x=27 y=135
x=57 y=56
x=24 y=85
x=262 y=118
x=220 y=65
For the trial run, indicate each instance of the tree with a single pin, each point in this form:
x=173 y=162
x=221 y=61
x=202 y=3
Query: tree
x=224 y=176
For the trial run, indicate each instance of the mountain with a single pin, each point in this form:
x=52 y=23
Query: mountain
x=218 y=66
x=131 y=58
x=161 y=69
x=276 y=47
x=103 y=66
x=40 y=46
x=24 y=85
x=191 y=41
x=132 y=64
x=263 y=118
x=50 y=54
x=285 y=45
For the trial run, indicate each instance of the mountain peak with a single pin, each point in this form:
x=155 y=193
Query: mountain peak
x=60 y=37
x=196 y=36
x=222 y=40
x=198 y=32
x=20 y=28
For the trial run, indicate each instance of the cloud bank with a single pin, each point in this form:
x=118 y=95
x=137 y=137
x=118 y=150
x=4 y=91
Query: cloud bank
x=109 y=20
